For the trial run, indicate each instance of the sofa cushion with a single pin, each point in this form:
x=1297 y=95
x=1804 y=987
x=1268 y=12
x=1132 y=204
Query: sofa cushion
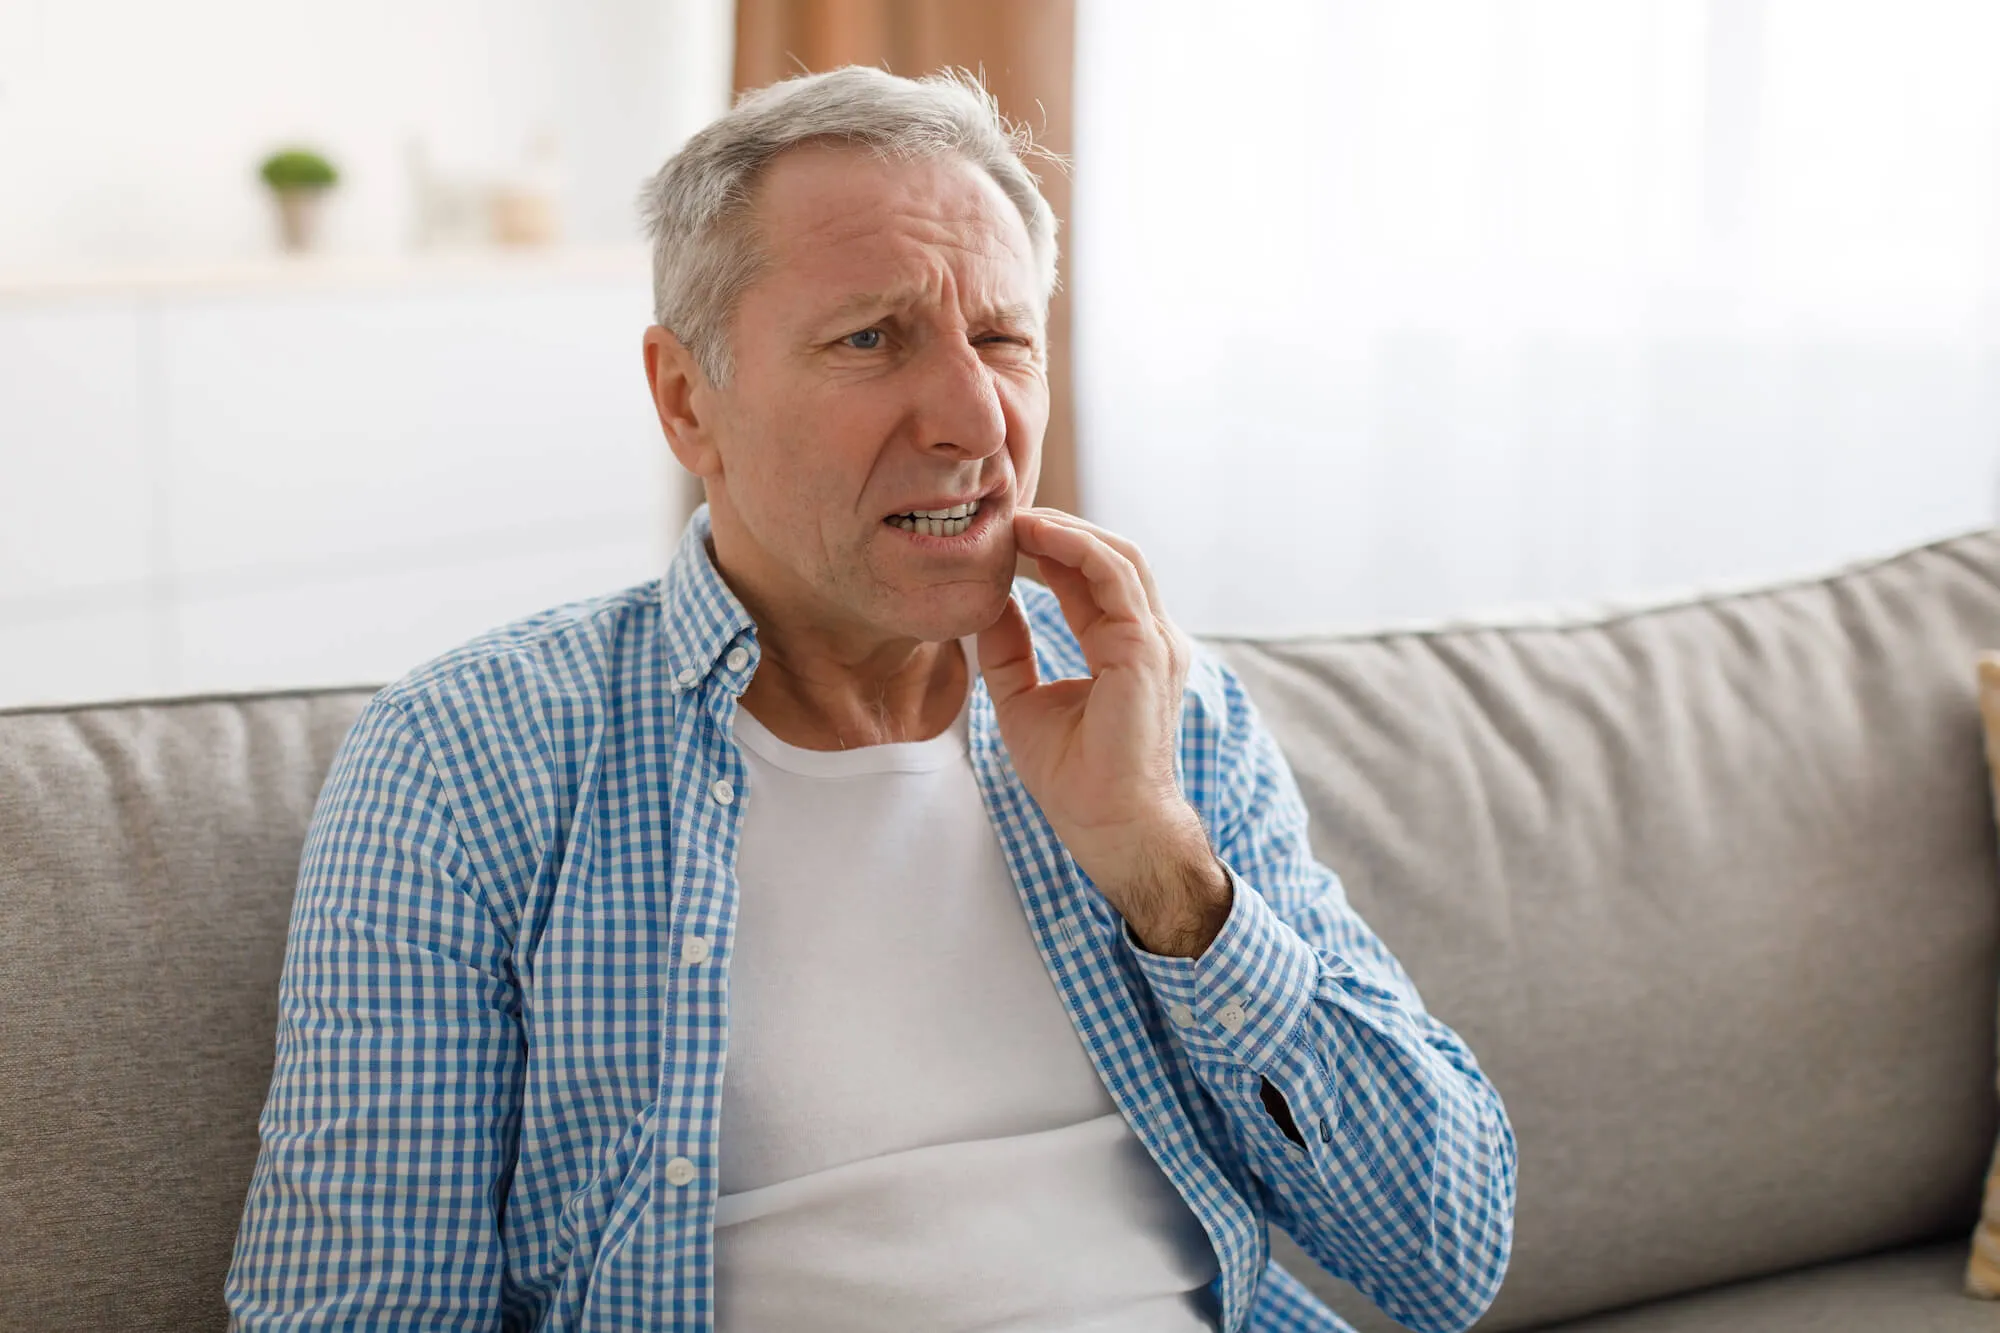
x=147 y=858
x=1710 y=890
x=1913 y=1290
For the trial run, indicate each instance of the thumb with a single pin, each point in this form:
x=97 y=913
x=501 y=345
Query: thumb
x=1007 y=654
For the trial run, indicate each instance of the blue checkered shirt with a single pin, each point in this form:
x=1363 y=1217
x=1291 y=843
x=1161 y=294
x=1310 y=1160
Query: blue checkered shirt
x=499 y=1070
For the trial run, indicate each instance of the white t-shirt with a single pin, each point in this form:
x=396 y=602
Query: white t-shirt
x=913 y=1136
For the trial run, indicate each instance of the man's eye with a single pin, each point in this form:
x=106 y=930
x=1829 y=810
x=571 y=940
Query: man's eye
x=865 y=341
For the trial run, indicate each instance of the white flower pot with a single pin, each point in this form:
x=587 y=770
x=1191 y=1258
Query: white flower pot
x=299 y=209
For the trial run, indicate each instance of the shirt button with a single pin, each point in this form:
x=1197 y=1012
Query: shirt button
x=723 y=793
x=679 y=1172
x=689 y=676
x=1232 y=1017
x=694 y=949
x=1182 y=1015
x=738 y=659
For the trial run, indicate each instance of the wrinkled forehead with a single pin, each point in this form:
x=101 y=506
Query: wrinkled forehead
x=835 y=216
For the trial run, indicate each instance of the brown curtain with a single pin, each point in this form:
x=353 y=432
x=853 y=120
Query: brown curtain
x=1026 y=49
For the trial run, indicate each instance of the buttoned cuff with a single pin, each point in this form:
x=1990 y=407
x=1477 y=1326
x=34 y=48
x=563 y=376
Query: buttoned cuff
x=1242 y=1000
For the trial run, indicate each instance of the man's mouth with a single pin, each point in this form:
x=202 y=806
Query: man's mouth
x=937 y=522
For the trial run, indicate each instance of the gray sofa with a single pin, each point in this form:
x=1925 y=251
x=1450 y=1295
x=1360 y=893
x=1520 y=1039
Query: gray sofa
x=1709 y=886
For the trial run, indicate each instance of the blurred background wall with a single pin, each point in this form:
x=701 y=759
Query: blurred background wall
x=224 y=466
x=130 y=131
x=1373 y=312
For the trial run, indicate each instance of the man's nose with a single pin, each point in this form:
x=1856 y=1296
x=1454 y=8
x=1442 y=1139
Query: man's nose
x=959 y=404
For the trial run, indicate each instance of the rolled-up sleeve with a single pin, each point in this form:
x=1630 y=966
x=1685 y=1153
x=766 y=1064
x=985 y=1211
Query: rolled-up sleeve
x=1396 y=1171
x=387 y=1138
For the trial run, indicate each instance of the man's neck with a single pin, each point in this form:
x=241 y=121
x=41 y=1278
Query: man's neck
x=825 y=685
x=815 y=699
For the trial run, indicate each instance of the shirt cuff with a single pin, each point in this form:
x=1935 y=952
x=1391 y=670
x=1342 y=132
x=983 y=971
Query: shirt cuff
x=1246 y=995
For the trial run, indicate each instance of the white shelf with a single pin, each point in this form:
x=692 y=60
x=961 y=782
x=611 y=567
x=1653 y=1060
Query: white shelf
x=290 y=274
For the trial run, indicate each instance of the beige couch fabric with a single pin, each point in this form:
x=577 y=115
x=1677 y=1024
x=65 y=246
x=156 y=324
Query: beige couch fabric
x=147 y=859
x=1905 y=1291
x=1711 y=891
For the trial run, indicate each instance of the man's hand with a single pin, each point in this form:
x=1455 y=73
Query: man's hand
x=1098 y=754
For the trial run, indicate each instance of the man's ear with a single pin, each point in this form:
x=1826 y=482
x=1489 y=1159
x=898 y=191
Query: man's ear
x=684 y=398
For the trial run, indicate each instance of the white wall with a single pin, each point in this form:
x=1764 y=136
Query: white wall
x=222 y=469
x=130 y=130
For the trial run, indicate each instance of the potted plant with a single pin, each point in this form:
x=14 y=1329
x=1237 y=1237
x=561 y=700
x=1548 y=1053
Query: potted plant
x=298 y=178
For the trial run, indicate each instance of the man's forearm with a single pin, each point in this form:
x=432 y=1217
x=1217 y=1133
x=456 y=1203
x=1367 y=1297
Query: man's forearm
x=1183 y=896
x=1384 y=1151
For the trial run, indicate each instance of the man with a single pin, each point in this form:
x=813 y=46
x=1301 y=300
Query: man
x=836 y=934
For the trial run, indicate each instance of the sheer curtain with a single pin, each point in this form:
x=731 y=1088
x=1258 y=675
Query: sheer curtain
x=1389 y=312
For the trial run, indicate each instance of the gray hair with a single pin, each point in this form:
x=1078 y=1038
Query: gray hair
x=696 y=207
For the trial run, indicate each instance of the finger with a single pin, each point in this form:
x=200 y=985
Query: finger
x=1180 y=649
x=1072 y=592
x=1125 y=546
x=1007 y=654
x=1114 y=583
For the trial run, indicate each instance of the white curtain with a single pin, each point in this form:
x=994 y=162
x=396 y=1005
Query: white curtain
x=1399 y=311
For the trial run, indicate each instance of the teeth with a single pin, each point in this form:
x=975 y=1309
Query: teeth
x=956 y=511
x=938 y=522
x=934 y=527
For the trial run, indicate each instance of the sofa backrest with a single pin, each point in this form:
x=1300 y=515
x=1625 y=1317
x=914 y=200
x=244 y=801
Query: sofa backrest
x=147 y=858
x=1709 y=888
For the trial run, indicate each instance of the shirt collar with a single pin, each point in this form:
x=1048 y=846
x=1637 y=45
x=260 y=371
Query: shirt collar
x=701 y=617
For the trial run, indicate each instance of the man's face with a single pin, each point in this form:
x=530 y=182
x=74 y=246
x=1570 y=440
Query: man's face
x=888 y=358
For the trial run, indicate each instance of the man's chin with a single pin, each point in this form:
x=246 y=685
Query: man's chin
x=953 y=613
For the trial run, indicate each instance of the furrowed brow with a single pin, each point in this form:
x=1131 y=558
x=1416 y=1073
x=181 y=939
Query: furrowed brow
x=1019 y=315
x=865 y=303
